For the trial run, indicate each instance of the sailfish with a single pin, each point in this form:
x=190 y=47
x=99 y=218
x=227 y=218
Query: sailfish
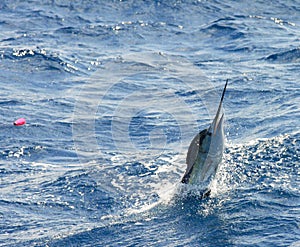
x=205 y=152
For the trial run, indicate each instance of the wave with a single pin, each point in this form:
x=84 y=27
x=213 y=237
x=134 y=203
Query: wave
x=258 y=177
x=39 y=59
x=267 y=164
x=216 y=30
x=255 y=180
x=290 y=56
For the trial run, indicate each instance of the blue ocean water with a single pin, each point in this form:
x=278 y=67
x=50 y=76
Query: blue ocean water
x=114 y=91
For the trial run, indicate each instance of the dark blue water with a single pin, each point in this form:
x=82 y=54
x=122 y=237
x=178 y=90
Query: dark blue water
x=114 y=91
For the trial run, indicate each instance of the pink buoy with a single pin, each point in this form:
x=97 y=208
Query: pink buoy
x=20 y=121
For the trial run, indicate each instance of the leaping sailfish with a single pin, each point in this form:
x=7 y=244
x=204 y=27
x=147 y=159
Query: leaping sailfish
x=205 y=152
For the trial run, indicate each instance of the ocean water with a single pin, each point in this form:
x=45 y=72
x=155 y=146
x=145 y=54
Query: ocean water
x=114 y=91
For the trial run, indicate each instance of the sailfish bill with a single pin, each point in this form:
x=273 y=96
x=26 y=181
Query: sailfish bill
x=206 y=151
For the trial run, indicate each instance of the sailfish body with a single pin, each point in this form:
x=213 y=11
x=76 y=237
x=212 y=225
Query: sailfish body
x=206 y=151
